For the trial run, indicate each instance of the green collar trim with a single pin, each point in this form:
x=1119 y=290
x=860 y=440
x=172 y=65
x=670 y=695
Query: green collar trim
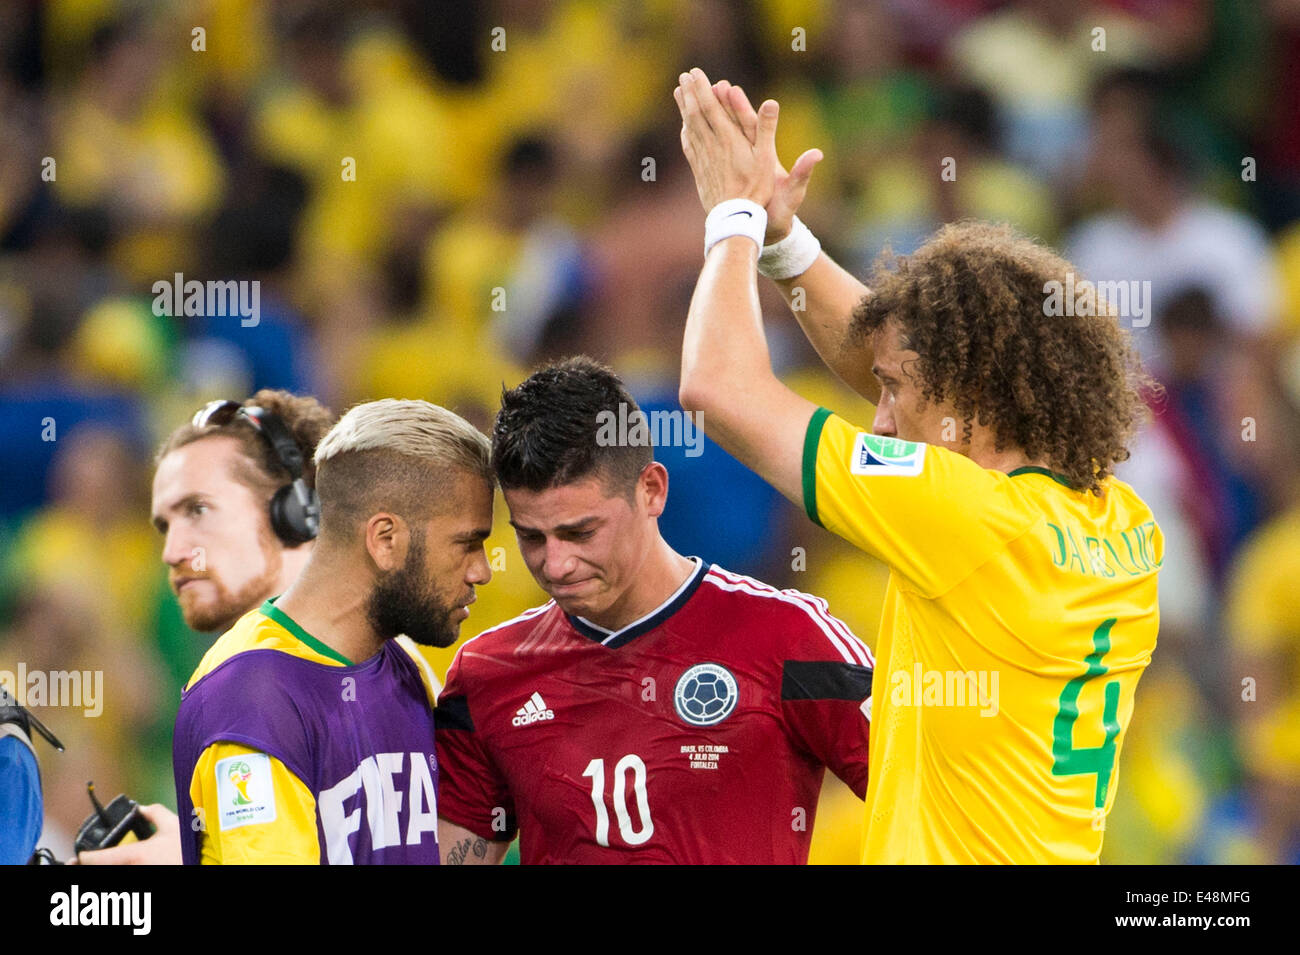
x=1030 y=469
x=269 y=609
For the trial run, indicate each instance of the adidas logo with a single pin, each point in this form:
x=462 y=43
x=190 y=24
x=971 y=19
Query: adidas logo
x=533 y=711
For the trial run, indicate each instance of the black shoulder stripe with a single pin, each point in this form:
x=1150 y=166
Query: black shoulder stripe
x=452 y=713
x=824 y=680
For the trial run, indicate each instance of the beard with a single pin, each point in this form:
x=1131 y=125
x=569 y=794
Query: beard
x=220 y=614
x=402 y=602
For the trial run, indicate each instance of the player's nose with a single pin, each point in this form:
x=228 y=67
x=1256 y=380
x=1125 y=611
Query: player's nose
x=479 y=571
x=884 y=421
x=176 y=548
x=560 y=562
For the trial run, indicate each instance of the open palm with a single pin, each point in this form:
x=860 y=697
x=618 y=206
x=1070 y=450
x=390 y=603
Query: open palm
x=790 y=186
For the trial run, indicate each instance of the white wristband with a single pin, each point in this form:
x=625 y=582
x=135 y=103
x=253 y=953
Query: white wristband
x=792 y=256
x=735 y=217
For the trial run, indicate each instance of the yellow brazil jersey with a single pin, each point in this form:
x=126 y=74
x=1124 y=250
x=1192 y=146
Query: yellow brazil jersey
x=268 y=811
x=1018 y=617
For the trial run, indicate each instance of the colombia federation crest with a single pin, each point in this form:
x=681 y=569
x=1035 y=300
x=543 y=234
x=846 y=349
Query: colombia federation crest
x=706 y=694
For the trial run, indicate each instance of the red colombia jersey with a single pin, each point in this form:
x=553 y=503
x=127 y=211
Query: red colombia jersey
x=698 y=734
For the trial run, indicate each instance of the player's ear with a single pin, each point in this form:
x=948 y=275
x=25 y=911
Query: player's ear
x=652 y=488
x=387 y=538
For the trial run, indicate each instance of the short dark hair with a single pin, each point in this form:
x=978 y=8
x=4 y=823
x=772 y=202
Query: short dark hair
x=545 y=434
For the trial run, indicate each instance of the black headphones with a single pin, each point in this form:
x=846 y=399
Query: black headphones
x=295 y=508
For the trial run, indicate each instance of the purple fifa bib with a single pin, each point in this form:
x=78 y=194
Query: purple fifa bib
x=360 y=737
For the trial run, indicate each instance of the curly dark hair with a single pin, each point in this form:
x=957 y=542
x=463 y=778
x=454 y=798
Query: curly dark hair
x=305 y=417
x=972 y=303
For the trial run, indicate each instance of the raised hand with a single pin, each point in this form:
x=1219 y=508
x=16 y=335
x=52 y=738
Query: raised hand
x=727 y=163
x=789 y=187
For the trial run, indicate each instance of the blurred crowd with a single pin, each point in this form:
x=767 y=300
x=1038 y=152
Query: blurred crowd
x=436 y=194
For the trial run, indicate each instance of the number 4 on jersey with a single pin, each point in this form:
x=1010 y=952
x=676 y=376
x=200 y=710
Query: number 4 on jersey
x=1069 y=760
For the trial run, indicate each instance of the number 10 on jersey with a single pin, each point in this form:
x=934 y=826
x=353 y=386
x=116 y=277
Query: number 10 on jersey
x=630 y=835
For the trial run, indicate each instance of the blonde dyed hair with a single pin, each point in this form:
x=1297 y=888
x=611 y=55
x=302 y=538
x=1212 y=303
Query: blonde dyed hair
x=408 y=457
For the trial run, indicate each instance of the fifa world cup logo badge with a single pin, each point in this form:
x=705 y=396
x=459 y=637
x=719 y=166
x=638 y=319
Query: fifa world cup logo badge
x=239 y=776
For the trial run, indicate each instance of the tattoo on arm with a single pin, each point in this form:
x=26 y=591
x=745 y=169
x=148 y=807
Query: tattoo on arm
x=456 y=856
x=461 y=850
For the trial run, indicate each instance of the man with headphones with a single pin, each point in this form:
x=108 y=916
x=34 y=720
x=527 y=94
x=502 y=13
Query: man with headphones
x=234 y=498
